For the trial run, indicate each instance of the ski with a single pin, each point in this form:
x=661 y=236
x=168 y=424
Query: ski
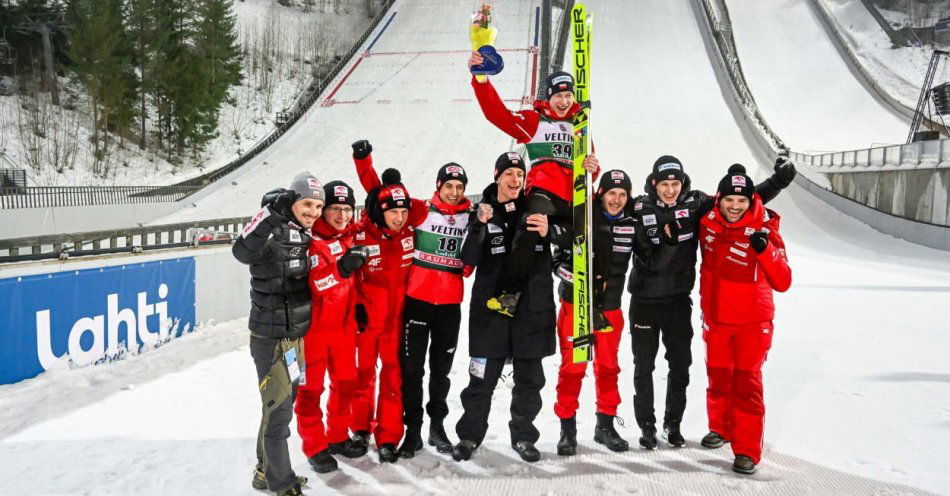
x=582 y=343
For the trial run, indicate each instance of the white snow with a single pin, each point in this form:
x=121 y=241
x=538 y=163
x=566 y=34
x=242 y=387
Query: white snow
x=900 y=71
x=857 y=382
x=805 y=90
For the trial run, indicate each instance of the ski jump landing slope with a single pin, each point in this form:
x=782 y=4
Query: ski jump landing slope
x=857 y=384
x=408 y=93
x=803 y=86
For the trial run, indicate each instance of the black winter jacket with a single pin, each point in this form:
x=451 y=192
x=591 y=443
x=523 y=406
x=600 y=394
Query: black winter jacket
x=663 y=271
x=612 y=249
x=276 y=250
x=531 y=332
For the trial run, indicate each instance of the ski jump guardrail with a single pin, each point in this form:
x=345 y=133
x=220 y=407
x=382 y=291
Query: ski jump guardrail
x=908 y=201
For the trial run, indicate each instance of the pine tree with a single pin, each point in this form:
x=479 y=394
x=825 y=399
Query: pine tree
x=143 y=34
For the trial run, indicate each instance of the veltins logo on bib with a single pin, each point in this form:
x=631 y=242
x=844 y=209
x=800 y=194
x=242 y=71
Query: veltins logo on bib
x=89 y=316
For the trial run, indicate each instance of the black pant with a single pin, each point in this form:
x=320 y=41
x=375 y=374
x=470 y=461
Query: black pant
x=421 y=321
x=518 y=263
x=669 y=320
x=277 y=409
x=525 y=399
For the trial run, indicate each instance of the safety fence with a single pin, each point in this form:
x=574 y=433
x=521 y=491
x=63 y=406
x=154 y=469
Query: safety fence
x=920 y=155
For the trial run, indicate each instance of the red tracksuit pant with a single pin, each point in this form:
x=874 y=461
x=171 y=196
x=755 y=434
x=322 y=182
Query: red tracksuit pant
x=734 y=357
x=570 y=375
x=333 y=351
x=382 y=415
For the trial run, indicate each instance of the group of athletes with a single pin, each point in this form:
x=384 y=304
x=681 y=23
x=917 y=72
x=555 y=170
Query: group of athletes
x=335 y=296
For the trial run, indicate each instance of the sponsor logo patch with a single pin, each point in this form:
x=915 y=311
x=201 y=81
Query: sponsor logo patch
x=294 y=264
x=399 y=194
x=624 y=229
x=407 y=244
x=622 y=249
x=340 y=190
x=361 y=236
x=335 y=248
x=258 y=218
x=453 y=169
x=561 y=79
x=326 y=283
x=492 y=228
x=616 y=175
x=372 y=250
x=680 y=214
x=314 y=261
x=649 y=220
x=565 y=275
x=294 y=236
x=313 y=184
x=623 y=240
x=737 y=251
x=749 y=231
x=497 y=240
x=651 y=231
x=669 y=166
x=684 y=237
x=638 y=206
x=510 y=207
x=738 y=181
x=498 y=249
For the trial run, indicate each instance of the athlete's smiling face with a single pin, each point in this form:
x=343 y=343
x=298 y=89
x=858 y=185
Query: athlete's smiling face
x=452 y=191
x=614 y=200
x=733 y=207
x=509 y=184
x=561 y=102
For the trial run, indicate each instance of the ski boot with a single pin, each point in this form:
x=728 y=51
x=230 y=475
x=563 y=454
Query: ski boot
x=713 y=440
x=527 y=451
x=347 y=448
x=648 y=436
x=439 y=439
x=323 y=462
x=504 y=303
x=743 y=465
x=567 y=445
x=605 y=434
x=601 y=324
x=361 y=439
x=671 y=431
x=388 y=453
x=463 y=450
x=411 y=444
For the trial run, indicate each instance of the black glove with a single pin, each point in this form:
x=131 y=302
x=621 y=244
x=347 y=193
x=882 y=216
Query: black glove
x=784 y=171
x=759 y=241
x=674 y=236
x=280 y=200
x=362 y=149
x=362 y=319
x=353 y=259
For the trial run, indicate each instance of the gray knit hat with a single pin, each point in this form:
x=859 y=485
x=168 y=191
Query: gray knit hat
x=307 y=186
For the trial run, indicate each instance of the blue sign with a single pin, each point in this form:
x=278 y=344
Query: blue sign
x=89 y=316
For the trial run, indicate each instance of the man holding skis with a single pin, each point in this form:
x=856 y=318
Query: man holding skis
x=548 y=136
x=660 y=283
x=613 y=238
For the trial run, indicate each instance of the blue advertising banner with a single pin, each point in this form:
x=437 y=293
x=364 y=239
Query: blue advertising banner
x=89 y=316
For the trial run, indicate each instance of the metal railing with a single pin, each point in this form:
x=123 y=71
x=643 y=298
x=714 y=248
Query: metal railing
x=13 y=178
x=73 y=196
x=131 y=240
x=920 y=155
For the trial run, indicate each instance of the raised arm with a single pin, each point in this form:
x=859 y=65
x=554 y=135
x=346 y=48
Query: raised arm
x=519 y=125
x=363 y=158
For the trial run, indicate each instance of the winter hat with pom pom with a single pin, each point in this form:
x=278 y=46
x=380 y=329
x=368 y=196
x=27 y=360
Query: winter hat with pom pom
x=736 y=182
x=391 y=194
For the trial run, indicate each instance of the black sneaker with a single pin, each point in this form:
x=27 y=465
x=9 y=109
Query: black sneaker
x=348 y=448
x=567 y=445
x=411 y=444
x=743 y=465
x=713 y=440
x=463 y=450
x=323 y=462
x=671 y=431
x=527 y=451
x=605 y=434
x=504 y=303
x=648 y=436
x=388 y=453
x=439 y=439
x=361 y=438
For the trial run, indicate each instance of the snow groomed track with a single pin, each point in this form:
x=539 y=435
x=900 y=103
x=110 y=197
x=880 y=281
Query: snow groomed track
x=857 y=380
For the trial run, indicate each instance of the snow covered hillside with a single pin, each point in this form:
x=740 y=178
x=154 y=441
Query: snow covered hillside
x=281 y=46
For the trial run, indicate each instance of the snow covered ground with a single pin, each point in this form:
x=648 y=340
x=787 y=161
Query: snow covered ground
x=292 y=36
x=900 y=71
x=857 y=384
x=805 y=90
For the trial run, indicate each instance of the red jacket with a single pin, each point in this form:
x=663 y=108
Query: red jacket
x=333 y=297
x=522 y=126
x=736 y=283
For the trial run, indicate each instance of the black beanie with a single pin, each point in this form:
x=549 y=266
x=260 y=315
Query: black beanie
x=338 y=193
x=388 y=195
x=667 y=168
x=508 y=160
x=736 y=182
x=449 y=172
x=557 y=82
x=614 y=179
